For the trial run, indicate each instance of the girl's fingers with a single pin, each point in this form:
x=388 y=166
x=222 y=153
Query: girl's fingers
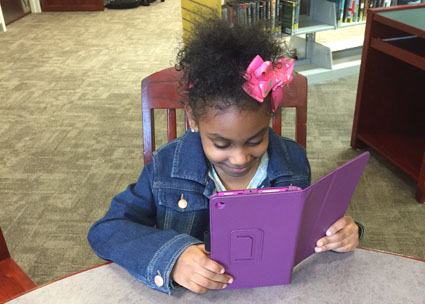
x=339 y=225
x=338 y=243
x=205 y=262
x=196 y=288
x=343 y=233
x=210 y=268
x=221 y=278
x=206 y=283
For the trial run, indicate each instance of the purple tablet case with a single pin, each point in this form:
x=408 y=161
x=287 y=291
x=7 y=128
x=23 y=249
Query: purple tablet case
x=260 y=235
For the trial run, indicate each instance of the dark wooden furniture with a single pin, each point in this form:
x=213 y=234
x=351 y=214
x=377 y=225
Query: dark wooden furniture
x=160 y=91
x=390 y=108
x=13 y=280
x=67 y=5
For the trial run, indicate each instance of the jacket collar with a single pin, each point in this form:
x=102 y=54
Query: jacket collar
x=279 y=159
x=189 y=159
x=190 y=162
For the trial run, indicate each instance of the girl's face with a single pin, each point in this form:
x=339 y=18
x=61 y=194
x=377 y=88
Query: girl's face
x=234 y=142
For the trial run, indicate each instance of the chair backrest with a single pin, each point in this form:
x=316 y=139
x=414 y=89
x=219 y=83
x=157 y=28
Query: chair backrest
x=160 y=91
x=13 y=280
x=4 y=252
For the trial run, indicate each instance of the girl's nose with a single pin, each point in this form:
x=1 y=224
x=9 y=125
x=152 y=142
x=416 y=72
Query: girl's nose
x=239 y=158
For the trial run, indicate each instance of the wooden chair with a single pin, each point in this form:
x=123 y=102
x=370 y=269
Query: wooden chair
x=13 y=280
x=160 y=91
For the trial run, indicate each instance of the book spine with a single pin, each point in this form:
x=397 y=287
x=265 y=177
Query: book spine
x=257 y=11
x=248 y=13
x=230 y=15
x=288 y=17
x=244 y=14
x=268 y=15
x=356 y=11
x=361 y=9
x=278 y=27
x=252 y=12
x=273 y=15
x=297 y=13
x=263 y=14
x=224 y=15
x=349 y=11
x=261 y=11
x=268 y=9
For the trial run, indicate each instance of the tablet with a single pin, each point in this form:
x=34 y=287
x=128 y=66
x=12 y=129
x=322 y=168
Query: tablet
x=259 y=235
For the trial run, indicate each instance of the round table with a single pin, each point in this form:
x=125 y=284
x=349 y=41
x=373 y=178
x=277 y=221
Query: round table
x=359 y=276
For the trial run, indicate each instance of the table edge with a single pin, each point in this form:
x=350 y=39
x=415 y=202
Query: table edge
x=58 y=279
x=391 y=253
x=109 y=262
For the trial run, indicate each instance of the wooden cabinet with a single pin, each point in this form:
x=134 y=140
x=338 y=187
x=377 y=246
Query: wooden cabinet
x=72 y=5
x=390 y=107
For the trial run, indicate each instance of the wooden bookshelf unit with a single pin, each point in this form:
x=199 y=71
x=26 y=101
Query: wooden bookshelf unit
x=390 y=107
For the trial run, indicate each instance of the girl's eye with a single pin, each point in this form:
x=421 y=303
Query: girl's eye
x=221 y=146
x=255 y=143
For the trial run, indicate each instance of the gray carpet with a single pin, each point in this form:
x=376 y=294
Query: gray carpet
x=70 y=135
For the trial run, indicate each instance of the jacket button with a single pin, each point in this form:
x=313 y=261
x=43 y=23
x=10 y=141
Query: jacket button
x=182 y=203
x=159 y=281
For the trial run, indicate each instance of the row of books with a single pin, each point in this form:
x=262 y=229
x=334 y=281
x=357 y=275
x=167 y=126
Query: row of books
x=348 y=11
x=278 y=16
x=282 y=16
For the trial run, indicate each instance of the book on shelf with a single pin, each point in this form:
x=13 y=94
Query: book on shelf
x=339 y=10
x=272 y=14
x=283 y=16
x=297 y=13
x=349 y=11
x=287 y=15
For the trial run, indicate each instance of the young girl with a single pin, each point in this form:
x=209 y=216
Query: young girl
x=155 y=228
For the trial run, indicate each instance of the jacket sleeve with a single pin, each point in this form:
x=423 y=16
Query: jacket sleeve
x=126 y=236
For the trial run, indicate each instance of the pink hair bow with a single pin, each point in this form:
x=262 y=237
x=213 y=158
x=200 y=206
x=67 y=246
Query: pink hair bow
x=264 y=76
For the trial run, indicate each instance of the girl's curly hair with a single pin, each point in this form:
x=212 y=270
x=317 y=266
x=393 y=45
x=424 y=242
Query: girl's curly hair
x=214 y=61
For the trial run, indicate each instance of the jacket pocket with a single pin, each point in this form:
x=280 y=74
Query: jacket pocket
x=184 y=214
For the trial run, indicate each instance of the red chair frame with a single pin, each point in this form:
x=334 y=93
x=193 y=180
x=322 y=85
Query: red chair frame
x=161 y=91
x=13 y=280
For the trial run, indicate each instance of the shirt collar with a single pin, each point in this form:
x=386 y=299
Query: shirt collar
x=259 y=176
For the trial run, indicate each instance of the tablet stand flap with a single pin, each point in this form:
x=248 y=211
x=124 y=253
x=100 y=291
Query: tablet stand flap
x=326 y=201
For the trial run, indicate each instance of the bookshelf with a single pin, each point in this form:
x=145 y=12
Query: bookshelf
x=316 y=61
x=323 y=62
x=390 y=110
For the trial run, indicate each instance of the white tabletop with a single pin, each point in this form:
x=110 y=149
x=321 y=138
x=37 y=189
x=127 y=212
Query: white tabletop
x=360 y=276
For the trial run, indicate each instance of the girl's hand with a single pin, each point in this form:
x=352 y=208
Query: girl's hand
x=197 y=272
x=342 y=236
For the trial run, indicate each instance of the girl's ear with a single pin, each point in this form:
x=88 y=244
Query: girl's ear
x=192 y=122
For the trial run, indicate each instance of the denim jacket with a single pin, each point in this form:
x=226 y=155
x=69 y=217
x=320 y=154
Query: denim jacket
x=127 y=234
